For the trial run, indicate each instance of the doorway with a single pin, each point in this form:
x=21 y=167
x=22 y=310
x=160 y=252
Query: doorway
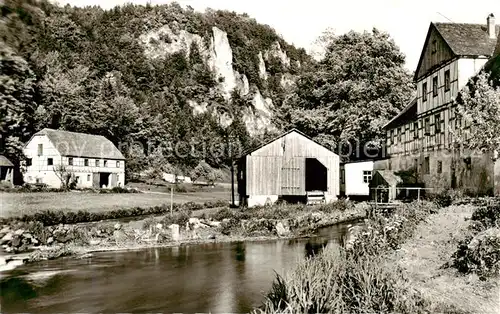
x=104 y=179
x=316 y=175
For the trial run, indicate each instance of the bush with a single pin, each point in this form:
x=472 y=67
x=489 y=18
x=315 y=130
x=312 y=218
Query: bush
x=443 y=199
x=486 y=217
x=180 y=218
x=340 y=205
x=479 y=254
x=50 y=218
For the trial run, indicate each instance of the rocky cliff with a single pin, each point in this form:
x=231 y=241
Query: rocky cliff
x=216 y=50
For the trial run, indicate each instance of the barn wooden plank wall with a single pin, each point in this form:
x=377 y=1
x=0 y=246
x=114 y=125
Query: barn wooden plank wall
x=279 y=167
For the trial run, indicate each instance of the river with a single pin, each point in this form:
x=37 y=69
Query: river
x=212 y=277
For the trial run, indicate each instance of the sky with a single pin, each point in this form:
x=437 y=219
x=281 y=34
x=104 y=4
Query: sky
x=301 y=22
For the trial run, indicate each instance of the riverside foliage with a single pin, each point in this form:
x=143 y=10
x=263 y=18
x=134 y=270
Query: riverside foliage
x=357 y=278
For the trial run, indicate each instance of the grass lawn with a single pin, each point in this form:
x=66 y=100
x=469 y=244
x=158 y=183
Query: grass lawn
x=18 y=204
x=432 y=246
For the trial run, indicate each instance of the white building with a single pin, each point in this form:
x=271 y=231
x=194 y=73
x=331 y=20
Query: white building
x=90 y=160
x=355 y=178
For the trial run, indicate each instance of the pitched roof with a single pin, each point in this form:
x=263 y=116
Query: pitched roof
x=82 y=144
x=468 y=39
x=389 y=176
x=4 y=162
x=407 y=114
x=251 y=150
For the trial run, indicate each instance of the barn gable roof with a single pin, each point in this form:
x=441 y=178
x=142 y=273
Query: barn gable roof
x=250 y=151
x=82 y=144
x=4 y=162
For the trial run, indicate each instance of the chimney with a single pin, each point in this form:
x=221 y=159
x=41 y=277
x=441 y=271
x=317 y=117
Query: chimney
x=491 y=26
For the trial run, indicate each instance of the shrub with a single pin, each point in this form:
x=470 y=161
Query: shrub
x=50 y=218
x=215 y=204
x=340 y=205
x=443 y=199
x=223 y=213
x=479 y=254
x=180 y=188
x=180 y=218
x=487 y=216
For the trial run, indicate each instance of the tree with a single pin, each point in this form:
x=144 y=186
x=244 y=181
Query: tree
x=478 y=110
x=203 y=170
x=16 y=102
x=66 y=176
x=352 y=92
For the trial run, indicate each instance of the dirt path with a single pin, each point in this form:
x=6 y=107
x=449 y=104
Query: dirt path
x=430 y=248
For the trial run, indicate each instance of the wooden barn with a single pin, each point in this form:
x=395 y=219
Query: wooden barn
x=292 y=167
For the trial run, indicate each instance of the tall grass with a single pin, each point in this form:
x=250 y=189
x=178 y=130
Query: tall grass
x=358 y=279
x=339 y=282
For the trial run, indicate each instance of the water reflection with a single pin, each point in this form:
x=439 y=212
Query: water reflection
x=240 y=251
x=313 y=248
x=216 y=277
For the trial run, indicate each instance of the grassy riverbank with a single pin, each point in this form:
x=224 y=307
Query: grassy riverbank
x=422 y=258
x=394 y=265
x=223 y=225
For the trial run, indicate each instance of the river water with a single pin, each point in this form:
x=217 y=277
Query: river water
x=212 y=277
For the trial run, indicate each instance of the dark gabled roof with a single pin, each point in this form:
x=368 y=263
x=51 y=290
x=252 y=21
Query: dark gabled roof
x=82 y=144
x=468 y=39
x=4 y=162
x=471 y=40
x=251 y=150
x=389 y=176
x=407 y=114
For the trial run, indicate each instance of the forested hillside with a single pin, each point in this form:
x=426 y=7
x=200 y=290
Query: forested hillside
x=181 y=86
x=162 y=76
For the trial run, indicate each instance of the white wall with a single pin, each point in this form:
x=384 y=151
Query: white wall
x=45 y=173
x=467 y=68
x=354 y=184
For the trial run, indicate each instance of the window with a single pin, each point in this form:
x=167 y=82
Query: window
x=97 y=162
x=439 y=166
x=50 y=161
x=427 y=127
x=105 y=163
x=424 y=91
x=434 y=86
x=70 y=161
x=426 y=165
x=117 y=164
x=39 y=180
x=86 y=162
x=367 y=176
x=415 y=130
x=447 y=82
x=434 y=46
x=88 y=177
x=77 y=179
x=29 y=162
x=400 y=135
x=437 y=123
x=40 y=149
